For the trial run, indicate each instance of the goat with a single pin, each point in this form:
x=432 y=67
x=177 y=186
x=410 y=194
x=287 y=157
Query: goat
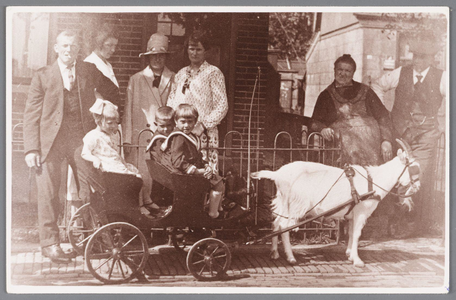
x=309 y=189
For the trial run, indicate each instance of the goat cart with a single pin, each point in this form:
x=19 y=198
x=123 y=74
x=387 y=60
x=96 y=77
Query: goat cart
x=114 y=236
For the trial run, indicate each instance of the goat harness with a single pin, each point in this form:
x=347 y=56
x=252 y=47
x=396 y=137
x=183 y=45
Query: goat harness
x=350 y=173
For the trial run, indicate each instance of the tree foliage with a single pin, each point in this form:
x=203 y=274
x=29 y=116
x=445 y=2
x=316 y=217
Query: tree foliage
x=413 y=25
x=290 y=33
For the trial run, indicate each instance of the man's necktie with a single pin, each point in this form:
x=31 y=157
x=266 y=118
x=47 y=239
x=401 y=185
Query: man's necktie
x=156 y=82
x=70 y=77
x=418 y=77
x=418 y=94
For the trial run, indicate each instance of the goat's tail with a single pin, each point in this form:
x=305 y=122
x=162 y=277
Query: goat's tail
x=263 y=174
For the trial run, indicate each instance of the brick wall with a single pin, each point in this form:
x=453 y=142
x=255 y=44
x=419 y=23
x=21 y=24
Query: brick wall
x=251 y=53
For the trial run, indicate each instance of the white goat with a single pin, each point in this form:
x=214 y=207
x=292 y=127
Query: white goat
x=301 y=186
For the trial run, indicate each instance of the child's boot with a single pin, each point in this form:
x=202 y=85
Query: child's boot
x=214 y=201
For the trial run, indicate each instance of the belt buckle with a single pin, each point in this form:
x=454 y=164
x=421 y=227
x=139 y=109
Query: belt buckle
x=414 y=121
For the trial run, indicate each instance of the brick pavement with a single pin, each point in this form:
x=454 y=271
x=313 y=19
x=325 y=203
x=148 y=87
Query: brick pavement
x=408 y=263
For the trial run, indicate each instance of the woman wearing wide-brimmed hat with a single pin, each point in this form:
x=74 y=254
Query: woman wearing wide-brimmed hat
x=147 y=91
x=202 y=85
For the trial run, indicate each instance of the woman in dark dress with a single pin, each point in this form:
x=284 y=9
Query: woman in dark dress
x=351 y=112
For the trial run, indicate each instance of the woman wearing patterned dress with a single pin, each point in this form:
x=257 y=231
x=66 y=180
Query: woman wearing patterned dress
x=202 y=85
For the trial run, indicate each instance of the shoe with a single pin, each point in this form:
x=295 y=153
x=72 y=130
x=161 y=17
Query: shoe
x=55 y=254
x=144 y=211
x=222 y=215
x=151 y=206
x=71 y=253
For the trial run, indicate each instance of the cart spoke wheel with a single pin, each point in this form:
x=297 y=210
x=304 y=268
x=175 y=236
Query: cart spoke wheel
x=209 y=259
x=116 y=253
x=82 y=225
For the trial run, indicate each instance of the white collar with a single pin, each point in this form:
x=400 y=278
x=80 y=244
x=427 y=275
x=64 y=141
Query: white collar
x=201 y=68
x=148 y=71
x=191 y=137
x=95 y=59
x=423 y=73
x=103 y=66
x=63 y=67
x=154 y=139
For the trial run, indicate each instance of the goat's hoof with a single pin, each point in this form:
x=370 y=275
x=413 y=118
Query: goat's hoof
x=348 y=253
x=359 y=264
x=350 y=258
x=292 y=261
x=274 y=255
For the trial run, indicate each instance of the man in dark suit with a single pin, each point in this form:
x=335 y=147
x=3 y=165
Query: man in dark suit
x=56 y=118
x=420 y=90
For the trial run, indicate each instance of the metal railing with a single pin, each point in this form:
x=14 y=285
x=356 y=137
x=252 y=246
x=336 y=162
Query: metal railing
x=316 y=150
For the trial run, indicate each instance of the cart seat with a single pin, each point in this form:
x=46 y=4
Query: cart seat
x=181 y=184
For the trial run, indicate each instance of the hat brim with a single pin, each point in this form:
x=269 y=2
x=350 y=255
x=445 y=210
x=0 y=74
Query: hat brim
x=153 y=52
x=424 y=47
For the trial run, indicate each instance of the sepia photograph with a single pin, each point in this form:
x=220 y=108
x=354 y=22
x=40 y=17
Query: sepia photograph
x=238 y=150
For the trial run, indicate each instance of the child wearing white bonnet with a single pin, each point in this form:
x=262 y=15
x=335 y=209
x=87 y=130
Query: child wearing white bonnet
x=99 y=144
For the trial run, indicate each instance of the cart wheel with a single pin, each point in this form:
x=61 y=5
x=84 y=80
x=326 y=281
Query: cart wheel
x=82 y=225
x=209 y=259
x=179 y=240
x=116 y=253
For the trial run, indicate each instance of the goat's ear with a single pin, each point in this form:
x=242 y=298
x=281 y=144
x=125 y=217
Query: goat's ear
x=401 y=154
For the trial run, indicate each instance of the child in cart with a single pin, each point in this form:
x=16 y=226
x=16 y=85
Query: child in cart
x=182 y=150
x=100 y=147
x=164 y=123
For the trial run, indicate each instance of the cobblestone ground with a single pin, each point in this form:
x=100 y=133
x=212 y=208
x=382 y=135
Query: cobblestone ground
x=407 y=263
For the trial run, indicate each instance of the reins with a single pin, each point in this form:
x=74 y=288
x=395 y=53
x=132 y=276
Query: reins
x=368 y=180
x=392 y=193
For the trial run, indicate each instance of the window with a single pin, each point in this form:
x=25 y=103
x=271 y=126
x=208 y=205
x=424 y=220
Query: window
x=405 y=56
x=30 y=44
x=291 y=92
x=167 y=27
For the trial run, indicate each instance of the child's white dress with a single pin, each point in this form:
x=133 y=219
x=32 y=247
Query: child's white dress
x=103 y=146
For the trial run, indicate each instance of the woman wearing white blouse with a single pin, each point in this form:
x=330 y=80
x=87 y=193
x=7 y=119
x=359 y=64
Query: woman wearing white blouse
x=202 y=85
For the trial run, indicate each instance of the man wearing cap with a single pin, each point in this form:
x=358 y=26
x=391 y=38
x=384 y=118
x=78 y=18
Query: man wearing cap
x=419 y=91
x=147 y=91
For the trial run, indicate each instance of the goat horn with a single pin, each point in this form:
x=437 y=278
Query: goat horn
x=405 y=146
